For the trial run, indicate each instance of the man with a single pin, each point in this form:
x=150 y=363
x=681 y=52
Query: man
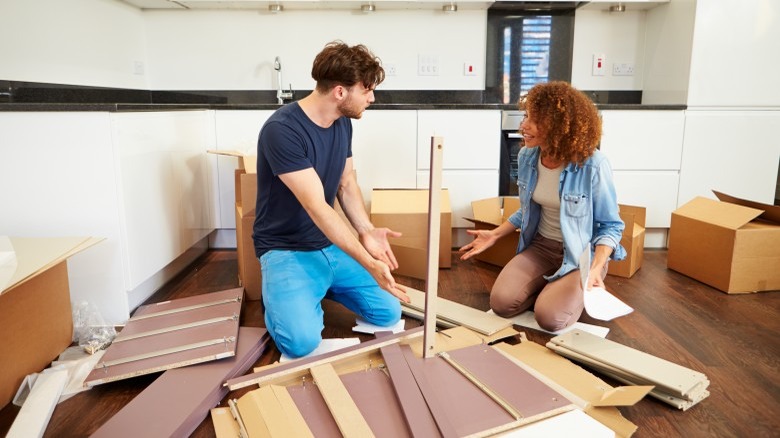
x=306 y=252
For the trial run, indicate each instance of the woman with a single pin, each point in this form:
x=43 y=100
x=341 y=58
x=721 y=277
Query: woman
x=567 y=201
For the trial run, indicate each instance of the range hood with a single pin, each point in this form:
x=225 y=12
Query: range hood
x=515 y=5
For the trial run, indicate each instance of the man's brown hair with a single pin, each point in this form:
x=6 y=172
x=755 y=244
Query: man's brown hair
x=340 y=64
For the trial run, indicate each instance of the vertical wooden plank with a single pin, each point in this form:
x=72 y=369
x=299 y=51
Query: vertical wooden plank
x=345 y=412
x=225 y=426
x=434 y=226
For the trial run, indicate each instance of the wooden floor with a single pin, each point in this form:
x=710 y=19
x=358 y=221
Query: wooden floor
x=733 y=339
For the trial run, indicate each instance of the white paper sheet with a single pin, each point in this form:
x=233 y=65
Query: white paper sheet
x=602 y=305
x=527 y=319
x=599 y=303
x=366 y=327
x=571 y=423
x=326 y=346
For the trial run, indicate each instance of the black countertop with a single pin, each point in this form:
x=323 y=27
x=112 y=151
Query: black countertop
x=31 y=97
x=135 y=107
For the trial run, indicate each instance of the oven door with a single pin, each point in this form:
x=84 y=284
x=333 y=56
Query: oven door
x=511 y=142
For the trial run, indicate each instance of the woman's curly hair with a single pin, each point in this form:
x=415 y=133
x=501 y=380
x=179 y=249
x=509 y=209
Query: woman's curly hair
x=566 y=118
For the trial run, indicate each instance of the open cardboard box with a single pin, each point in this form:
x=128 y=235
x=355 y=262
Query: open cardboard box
x=633 y=240
x=36 y=323
x=406 y=211
x=246 y=196
x=488 y=214
x=732 y=244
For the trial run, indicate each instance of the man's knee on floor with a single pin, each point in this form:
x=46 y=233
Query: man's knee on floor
x=387 y=315
x=300 y=345
x=553 y=322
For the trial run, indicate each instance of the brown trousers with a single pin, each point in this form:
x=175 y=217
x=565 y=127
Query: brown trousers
x=521 y=284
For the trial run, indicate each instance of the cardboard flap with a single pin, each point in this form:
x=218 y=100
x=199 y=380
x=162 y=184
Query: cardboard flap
x=246 y=162
x=510 y=205
x=637 y=213
x=487 y=210
x=723 y=214
x=623 y=396
x=771 y=212
x=404 y=201
x=36 y=254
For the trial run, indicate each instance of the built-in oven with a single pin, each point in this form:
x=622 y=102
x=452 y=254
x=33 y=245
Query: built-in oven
x=511 y=142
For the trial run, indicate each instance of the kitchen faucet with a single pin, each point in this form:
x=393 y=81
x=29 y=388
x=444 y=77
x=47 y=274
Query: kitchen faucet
x=280 y=93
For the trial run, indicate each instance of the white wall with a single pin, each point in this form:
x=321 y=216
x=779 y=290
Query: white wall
x=618 y=36
x=100 y=43
x=78 y=42
x=235 y=50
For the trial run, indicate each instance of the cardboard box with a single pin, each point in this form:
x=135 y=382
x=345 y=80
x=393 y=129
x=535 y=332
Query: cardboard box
x=249 y=273
x=633 y=241
x=35 y=310
x=732 y=244
x=488 y=214
x=406 y=211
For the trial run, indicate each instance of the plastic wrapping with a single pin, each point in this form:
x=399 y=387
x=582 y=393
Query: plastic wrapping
x=89 y=329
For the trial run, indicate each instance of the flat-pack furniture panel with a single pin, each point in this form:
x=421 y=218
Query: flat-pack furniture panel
x=198 y=329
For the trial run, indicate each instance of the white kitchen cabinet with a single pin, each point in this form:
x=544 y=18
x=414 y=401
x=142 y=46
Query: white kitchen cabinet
x=464 y=187
x=384 y=150
x=139 y=180
x=234 y=131
x=643 y=140
x=470 y=160
x=645 y=149
x=735 y=152
x=656 y=190
x=472 y=138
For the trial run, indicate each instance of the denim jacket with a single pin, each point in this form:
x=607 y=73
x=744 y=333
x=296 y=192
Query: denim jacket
x=589 y=210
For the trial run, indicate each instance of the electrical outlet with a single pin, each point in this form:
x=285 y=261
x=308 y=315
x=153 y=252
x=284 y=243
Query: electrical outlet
x=390 y=70
x=138 y=68
x=623 y=69
x=427 y=65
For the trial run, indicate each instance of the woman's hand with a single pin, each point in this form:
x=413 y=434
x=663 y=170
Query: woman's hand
x=483 y=239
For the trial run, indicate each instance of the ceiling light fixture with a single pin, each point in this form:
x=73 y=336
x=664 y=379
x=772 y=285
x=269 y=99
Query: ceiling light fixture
x=368 y=7
x=451 y=7
x=275 y=7
x=617 y=7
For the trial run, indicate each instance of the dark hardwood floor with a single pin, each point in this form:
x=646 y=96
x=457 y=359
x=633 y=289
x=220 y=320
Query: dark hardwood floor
x=733 y=339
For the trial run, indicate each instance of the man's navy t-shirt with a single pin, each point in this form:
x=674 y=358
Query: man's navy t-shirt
x=289 y=141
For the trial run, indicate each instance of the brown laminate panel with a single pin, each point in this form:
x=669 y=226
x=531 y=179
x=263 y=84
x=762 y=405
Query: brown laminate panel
x=315 y=412
x=178 y=401
x=417 y=416
x=374 y=396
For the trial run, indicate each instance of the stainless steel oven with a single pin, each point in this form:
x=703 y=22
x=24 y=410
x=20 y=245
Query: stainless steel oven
x=511 y=142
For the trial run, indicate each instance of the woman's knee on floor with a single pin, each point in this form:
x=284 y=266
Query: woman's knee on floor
x=554 y=320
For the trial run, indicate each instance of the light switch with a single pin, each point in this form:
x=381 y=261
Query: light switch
x=599 y=64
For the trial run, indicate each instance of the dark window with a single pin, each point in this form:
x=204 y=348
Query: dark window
x=525 y=48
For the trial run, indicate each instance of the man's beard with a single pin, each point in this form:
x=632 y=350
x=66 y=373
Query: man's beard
x=350 y=109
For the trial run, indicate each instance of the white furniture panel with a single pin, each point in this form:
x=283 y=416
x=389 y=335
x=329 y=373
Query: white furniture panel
x=464 y=186
x=237 y=131
x=654 y=190
x=734 y=152
x=384 y=149
x=643 y=140
x=164 y=186
x=472 y=138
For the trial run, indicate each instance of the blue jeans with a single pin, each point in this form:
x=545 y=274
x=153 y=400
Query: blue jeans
x=294 y=284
